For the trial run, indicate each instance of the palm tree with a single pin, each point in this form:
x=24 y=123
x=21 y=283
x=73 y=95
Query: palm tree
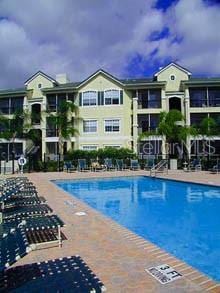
x=173 y=129
x=207 y=129
x=63 y=122
x=16 y=126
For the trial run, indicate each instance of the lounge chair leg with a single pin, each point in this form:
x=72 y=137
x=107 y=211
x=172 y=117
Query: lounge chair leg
x=59 y=236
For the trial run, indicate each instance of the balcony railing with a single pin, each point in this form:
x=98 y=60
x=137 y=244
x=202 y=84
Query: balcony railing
x=51 y=132
x=153 y=104
x=144 y=129
x=203 y=102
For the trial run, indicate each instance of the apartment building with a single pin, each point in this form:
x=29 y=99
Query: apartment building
x=111 y=111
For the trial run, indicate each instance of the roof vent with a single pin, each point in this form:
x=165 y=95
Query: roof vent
x=62 y=78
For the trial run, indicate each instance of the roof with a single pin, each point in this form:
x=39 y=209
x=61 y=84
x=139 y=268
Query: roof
x=202 y=81
x=173 y=64
x=16 y=91
x=100 y=71
x=42 y=74
x=61 y=87
x=137 y=82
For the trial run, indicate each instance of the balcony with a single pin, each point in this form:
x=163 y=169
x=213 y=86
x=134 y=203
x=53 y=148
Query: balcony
x=145 y=104
x=51 y=132
x=144 y=129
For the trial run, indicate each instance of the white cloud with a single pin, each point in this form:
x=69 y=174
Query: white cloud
x=78 y=37
x=197 y=26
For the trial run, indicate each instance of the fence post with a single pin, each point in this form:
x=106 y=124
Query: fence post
x=29 y=163
x=13 y=162
x=59 y=162
x=44 y=162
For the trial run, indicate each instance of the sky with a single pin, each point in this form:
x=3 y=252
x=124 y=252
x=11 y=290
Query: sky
x=127 y=38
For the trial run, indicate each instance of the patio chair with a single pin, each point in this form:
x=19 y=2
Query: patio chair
x=69 y=167
x=195 y=165
x=216 y=168
x=120 y=166
x=13 y=246
x=39 y=230
x=149 y=164
x=108 y=165
x=24 y=211
x=96 y=166
x=23 y=201
x=82 y=165
x=134 y=165
x=68 y=274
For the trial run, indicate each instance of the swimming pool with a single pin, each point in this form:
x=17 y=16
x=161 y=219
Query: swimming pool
x=182 y=218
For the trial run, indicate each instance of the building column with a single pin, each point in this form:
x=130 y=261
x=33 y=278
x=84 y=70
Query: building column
x=187 y=105
x=187 y=118
x=164 y=101
x=135 y=123
x=43 y=129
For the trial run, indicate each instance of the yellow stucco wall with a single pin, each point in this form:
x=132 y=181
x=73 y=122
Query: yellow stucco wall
x=172 y=85
x=102 y=112
x=33 y=85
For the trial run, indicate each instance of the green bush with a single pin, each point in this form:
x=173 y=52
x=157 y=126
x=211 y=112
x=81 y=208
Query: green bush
x=100 y=154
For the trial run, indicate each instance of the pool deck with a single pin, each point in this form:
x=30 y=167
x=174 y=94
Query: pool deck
x=116 y=255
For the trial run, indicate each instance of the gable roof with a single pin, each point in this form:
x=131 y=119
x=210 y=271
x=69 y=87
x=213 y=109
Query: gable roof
x=42 y=74
x=173 y=64
x=100 y=71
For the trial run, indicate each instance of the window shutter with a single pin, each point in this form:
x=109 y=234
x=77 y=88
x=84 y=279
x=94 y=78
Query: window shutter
x=121 y=97
x=99 y=98
x=80 y=99
x=102 y=98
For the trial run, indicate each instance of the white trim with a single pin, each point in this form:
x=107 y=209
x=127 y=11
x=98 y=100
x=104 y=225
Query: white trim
x=107 y=138
x=94 y=132
x=97 y=73
x=89 y=90
x=89 y=145
x=42 y=74
x=112 y=89
x=113 y=132
x=51 y=139
x=174 y=77
x=173 y=64
x=117 y=146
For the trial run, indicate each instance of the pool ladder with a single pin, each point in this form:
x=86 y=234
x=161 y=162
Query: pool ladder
x=160 y=167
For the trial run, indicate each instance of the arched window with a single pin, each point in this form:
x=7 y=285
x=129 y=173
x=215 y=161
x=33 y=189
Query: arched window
x=89 y=98
x=112 y=97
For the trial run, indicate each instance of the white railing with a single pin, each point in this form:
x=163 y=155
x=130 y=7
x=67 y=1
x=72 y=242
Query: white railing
x=162 y=166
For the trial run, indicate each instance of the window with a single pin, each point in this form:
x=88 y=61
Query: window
x=89 y=147
x=196 y=118
x=154 y=99
x=149 y=98
x=198 y=97
x=112 y=146
x=51 y=103
x=16 y=104
x=112 y=97
x=214 y=97
x=90 y=126
x=172 y=77
x=4 y=106
x=112 y=125
x=39 y=85
x=89 y=98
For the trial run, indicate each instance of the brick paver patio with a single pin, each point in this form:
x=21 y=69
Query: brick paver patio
x=116 y=255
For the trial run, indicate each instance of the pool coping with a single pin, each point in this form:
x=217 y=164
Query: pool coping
x=142 y=243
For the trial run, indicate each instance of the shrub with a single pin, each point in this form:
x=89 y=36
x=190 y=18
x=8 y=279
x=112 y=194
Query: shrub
x=100 y=154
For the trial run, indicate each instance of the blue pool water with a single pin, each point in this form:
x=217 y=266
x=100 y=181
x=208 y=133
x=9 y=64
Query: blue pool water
x=182 y=218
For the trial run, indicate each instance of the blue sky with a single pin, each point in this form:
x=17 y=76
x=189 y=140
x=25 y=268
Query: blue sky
x=126 y=38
